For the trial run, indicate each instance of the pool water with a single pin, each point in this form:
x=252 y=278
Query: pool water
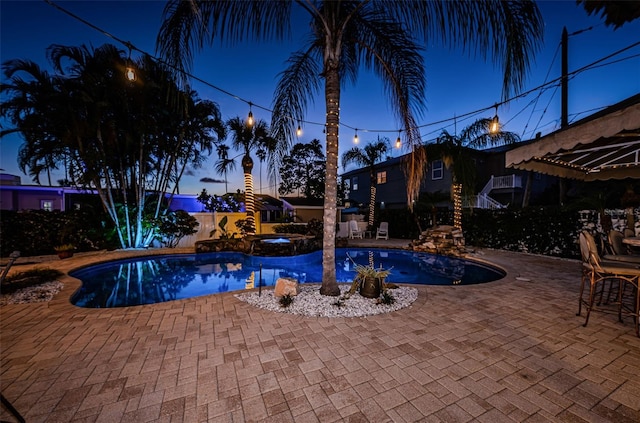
x=163 y=278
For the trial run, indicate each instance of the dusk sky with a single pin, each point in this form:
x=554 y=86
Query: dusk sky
x=456 y=84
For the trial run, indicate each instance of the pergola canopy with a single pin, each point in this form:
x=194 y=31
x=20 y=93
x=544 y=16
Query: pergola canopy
x=605 y=145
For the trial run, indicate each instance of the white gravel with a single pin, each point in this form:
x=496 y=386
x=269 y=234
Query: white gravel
x=309 y=302
x=32 y=294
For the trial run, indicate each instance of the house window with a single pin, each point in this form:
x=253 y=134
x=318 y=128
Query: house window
x=381 y=178
x=354 y=183
x=270 y=216
x=46 y=205
x=436 y=169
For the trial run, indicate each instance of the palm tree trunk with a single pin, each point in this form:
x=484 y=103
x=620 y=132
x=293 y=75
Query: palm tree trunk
x=332 y=98
x=457 y=205
x=372 y=205
x=249 y=201
x=260 y=176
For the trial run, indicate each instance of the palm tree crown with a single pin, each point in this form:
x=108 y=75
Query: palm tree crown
x=453 y=149
x=247 y=137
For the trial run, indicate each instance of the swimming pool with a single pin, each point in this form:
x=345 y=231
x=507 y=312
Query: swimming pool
x=156 y=279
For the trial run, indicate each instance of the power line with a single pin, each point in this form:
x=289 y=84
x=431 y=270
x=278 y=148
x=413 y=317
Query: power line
x=249 y=103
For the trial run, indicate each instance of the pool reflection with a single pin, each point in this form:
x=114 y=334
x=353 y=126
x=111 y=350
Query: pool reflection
x=172 y=277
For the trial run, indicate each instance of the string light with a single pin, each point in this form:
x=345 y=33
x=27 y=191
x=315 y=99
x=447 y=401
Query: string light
x=457 y=206
x=250 y=117
x=399 y=141
x=355 y=138
x=130 y=72
x=299 y=131
x=495 y=123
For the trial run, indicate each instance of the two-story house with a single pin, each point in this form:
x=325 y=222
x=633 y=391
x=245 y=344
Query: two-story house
x=496 y=186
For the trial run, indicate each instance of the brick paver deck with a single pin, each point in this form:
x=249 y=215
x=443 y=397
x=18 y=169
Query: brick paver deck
x=510 y=350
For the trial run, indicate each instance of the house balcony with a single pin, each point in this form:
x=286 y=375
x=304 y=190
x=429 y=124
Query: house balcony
x=483 y=201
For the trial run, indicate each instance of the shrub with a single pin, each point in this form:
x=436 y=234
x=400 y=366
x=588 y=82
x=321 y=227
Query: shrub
x=286 y=300
x=37 y=232
x=174 y=226
x=547 y=230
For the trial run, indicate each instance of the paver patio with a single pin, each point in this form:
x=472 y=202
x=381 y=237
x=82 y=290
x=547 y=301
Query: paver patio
x=510 y=350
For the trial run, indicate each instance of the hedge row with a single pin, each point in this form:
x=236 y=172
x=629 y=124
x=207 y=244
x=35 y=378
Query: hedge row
x=37 y=232
x=551 y=231
x=539 y=230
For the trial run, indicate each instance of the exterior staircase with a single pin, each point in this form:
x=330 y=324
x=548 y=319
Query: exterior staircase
x=484 y=201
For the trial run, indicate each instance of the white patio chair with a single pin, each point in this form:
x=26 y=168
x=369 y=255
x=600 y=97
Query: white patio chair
x=354 y=231
x=383 y=231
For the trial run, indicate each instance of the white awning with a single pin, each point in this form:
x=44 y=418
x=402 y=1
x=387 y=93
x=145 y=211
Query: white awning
x=603 y=146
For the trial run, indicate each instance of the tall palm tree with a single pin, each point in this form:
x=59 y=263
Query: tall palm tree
x=454 y=151
x=247 y=137
x=345 y=36
x=368 y=156
x=224 y=164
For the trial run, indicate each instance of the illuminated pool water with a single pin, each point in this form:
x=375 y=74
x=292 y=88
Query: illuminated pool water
x=163 y=278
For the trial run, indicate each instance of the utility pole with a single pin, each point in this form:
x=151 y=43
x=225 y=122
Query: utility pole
x=564 y=114
x=564 y=118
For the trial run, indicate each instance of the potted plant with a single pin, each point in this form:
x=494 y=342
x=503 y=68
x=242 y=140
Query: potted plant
x=369 y=280
x=65 y=250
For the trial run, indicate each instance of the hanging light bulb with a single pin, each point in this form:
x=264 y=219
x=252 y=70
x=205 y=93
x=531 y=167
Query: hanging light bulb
x=324 y=129
x=250 y=117
x=494 y=127
x=299 y=131
x=130 y=74
x=130 y=71
x=398 y=141
x=355 y=138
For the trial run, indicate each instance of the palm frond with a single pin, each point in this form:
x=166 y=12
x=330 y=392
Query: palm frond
x=507 y=32
x=188 y=24
x=354 y=155
x=298 y=84
x=396 y=57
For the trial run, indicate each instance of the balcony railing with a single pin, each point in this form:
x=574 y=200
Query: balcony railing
x=481 y=201
x=502 y=182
